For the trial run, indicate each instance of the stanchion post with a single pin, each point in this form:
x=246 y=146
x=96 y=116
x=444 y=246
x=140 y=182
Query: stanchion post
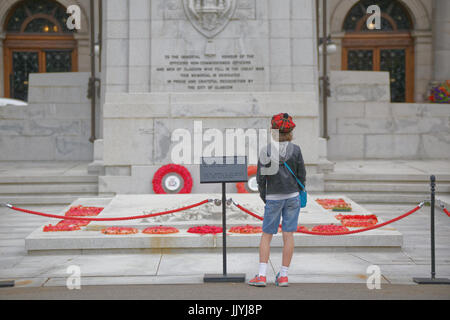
x=224 y=229
x=432 y=205
x=433 y=279
x=8 y=283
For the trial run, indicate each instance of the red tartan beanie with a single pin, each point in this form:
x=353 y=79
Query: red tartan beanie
x=283 y=122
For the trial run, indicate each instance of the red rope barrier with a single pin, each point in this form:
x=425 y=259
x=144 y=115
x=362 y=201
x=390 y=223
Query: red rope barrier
x=446 y=212
x=107 y=219
x=339 y=233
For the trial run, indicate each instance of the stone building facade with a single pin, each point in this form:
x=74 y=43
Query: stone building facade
x=164 y=64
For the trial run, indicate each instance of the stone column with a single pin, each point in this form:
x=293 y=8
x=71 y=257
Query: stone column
x=441 y=39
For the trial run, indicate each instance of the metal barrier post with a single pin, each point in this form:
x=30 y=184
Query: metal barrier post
x=433 y=279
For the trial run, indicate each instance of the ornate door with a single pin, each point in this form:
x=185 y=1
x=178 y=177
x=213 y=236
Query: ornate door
x=398 y=61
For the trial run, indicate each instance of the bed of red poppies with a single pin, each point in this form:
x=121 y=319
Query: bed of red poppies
x=72 y=225
x=160 y=230
x=247 y=229
x=327 y=228
x=358 y=221
x=120 y=230
x=347 y=221
x=205 y=229
x=331 y=203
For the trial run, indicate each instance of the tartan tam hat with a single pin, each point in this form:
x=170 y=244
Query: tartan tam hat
x=283 y=122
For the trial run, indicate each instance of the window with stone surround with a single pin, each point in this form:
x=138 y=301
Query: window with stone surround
x=37 y=40
x=38 y=16
x=394 y=17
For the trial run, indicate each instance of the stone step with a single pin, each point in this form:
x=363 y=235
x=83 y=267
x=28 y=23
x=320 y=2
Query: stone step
x=48 y=179
x=387 y=197
x=85 y=241
x=401 y=187
x=47 y=188
x=385 y=188
x=440 y=178
x=43 y=199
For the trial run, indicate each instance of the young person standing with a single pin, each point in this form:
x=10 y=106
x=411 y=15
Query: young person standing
x=280 y=193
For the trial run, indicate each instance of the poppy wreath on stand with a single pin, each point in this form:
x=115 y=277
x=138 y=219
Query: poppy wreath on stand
x=172 y=178
x=251 y=186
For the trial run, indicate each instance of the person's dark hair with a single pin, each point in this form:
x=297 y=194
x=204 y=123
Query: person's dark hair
x=287 y=136
x=283 y=136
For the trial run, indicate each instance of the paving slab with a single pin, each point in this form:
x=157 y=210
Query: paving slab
x=330 y=278
x=404 y=274
x=35 y=266
x=323 y=263
x=199 y=263
x=398 y=257
x=127 y=280
x=393 y=166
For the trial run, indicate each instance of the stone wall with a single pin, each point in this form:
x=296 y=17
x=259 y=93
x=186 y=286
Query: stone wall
x=54 y=126
x=138 y=129
x=364 y=124
x=141 y=39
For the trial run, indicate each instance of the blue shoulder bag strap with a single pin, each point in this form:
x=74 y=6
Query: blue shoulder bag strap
x=298 y=181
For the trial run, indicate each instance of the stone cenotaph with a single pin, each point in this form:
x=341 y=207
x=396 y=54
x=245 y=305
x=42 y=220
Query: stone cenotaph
x=200 y=65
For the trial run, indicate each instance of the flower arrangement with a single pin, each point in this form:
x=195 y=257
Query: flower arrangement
x=247 y=229
x=72 y=225
x=441 y=93
x=120 y=230
x=329 y=228
x=205 y=229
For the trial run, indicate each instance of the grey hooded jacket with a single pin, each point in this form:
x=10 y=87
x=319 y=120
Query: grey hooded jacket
x=276 y=178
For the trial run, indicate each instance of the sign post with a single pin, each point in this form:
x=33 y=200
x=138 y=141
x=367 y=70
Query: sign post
x=223 y=170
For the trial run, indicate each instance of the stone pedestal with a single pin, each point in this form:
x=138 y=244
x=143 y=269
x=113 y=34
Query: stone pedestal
x=90 y=238
x=97 y=166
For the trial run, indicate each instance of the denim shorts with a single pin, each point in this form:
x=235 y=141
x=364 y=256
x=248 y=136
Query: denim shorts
x=274 y=210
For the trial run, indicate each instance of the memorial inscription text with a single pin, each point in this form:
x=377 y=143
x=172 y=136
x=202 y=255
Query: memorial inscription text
x=196 y=72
